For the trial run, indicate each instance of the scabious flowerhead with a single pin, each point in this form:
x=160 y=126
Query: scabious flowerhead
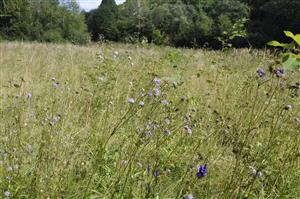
x=6 y=193
x=56 y=119
x=29 y=148
x=201 y=171
x=165 y=102
x=280 y=72
x=142 y=104
x=156 y=92
x=288 y=107
x=155 y=173
x=261 y=73
x=188 y=129
x=9 y=168
x=55 y=85
x=156 y=81
x=189 y=196
x=167 y=133
x=131 y=101
x=174 y=84
x=29 y=95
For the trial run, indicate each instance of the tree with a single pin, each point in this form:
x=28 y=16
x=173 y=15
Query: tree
x=270 y=17
x=134 y=21
x=102 y=21
x=50 y=21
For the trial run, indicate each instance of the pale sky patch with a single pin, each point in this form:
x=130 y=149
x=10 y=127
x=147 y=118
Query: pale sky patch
x=88 y=5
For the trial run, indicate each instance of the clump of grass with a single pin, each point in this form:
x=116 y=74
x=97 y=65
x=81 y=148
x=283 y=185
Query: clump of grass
x=121 y=121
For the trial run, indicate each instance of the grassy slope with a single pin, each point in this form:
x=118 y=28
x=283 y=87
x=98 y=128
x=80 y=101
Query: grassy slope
x=83 y=139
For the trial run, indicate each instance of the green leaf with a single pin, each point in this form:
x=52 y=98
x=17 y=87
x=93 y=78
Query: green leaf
x=289 y=34
x=290 y=63
x=296 y=37
x=290 y=46
x=288 y=54
x=276 y=44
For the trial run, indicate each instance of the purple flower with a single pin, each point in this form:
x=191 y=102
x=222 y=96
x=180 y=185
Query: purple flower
x=156 y=81
x=167 y=132
x=174 y=84
x=189 y=196
x=6 y=193
x=156 y=92
x=288 y=107
x=165 y=102
x=55 y=85
x=124 y=162
x=56 y=119
x=201 y=171
x=155 y=173
x=261 y=73
x=142 y=104
x=29 y=148
x=16 y=167
x=29 y=95
x=188 y=129
x=150 y=94
x=131 y=101
x=280 y=72
x=9 y=168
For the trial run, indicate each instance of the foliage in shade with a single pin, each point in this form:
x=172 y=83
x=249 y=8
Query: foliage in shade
x=49 y=21
x=291 y=55
x=102 y=21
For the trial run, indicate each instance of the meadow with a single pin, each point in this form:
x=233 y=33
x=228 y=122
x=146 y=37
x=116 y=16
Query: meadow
x=137 y=121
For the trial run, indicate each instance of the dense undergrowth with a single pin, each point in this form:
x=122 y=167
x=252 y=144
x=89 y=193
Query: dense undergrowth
x=126 y=121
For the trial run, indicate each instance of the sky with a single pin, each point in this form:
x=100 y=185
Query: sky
x=92 y=4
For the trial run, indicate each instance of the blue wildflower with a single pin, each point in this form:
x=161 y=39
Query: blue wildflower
x=261 y=73
x=156 y=81
x=167 y=133
x=9 y=168
x=280 y=72
x=155 y=173
x=201 y=171
x=56 y=119
x=288 y=107
x=188 y=129
x=6 y=193
x=55 y=85
x=142 y=104
x=156 y=92
x=29 y=95
x=165 y=102
x=29 y=148
x=131 y=101
x=174 y=84
x=189 y=196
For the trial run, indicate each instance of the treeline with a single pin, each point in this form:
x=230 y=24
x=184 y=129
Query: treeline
x=43 y=20
x=189 y=23
x=194 y=23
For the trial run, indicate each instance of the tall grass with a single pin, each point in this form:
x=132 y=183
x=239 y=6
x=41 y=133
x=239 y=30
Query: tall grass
x=127 y=121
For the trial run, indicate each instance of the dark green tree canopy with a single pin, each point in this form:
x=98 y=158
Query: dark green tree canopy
x=102 y=21
x=188 y=23
x=50 y=21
